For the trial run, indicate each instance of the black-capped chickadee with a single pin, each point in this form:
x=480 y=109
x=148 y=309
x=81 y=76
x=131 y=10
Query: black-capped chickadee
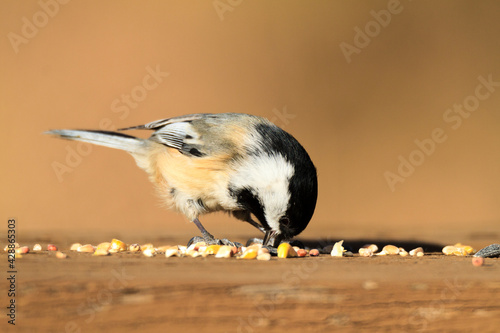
x=230 y=162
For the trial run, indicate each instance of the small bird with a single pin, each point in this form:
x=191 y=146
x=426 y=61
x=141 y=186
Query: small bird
x=231 y=162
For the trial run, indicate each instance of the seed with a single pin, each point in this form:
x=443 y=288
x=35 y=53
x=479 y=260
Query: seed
x=338 y=249
x=51 y=247
x=198 y=245
x=211 y=249
x=249 y=254
x=61 y=255
x=193 y=253
x=402 y=252
x=173 y=251
x=104 y=246
x=301 y=252
x=165 y=248
x=449 y=250
x=296 y=248
x=264 y=256
x=86 y=248
x=23 y=250
x=118 y=246
x=490 y=251
x=390 y=249
x=263 y=250
x=314 y=253
x=416 y=251
x=256 y=247
x=365 y=252
x=459 y=250
x=182 y=248
x=149 y=252
x=285 y=250
x=6 y=248
x=372 y=247
x=37 y=247
x=478 y=261
x=224 y=252
x=75 y=246
x=148 y=245
x=469 y=250
x=101 y=252
x=134 y=247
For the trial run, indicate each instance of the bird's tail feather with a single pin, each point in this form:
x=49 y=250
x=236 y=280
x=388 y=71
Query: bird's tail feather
x=109 y=139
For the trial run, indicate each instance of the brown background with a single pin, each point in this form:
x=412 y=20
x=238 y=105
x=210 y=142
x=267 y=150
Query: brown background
x=355 y=118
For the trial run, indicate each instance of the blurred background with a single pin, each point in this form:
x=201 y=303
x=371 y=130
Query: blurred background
x=357 y=83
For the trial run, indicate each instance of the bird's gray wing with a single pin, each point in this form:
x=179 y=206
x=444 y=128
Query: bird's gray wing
x=178 y=133
x=154 y=125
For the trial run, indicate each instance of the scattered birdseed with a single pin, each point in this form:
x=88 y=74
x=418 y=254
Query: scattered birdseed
x=51 y=247
x=314 y=253
x=490 y=251
x=249 y=254
x=86 y=248
x=264 y=256
x=365 y=252
x=458 y=250
x=134 y=248
x=117 y=246
x=75 y=246
x=37 y=247
x=477 y=261
x=149 y=252
x=338 y=249
x=418 y=252
x=101 y=252
x=23 y=250
x=224 y=252
x=285 y=250
x=60 y=255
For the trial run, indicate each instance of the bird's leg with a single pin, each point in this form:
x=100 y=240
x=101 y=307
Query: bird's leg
x=208 y=238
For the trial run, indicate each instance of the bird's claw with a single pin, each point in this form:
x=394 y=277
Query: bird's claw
x=213 y=241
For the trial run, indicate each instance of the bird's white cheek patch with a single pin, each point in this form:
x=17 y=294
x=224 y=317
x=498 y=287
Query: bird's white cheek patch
x=269 y=177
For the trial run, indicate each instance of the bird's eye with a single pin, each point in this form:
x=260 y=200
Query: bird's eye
x=285 y=221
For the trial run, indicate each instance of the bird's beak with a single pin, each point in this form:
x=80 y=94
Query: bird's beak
x=272 y=238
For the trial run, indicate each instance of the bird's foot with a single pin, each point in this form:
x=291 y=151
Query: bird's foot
x=210 y=240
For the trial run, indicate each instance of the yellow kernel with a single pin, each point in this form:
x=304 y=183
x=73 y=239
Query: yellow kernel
x=285 y=250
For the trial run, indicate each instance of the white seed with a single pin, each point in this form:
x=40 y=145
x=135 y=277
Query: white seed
x=402 y=252
x=365 y=252
x=134 y=247
x=449 y=250
x=193 y=253
x=61 y=255
x=101 y=252
x=390 y=249
x=37 y=247
x=224 y=252
x=149 y=252
x=86 y=248
x=372 y=247
x=75 y=246
x=338 y=249
x=415 y=252
x=263 y=250
x=173 y=251
x=264 y=256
